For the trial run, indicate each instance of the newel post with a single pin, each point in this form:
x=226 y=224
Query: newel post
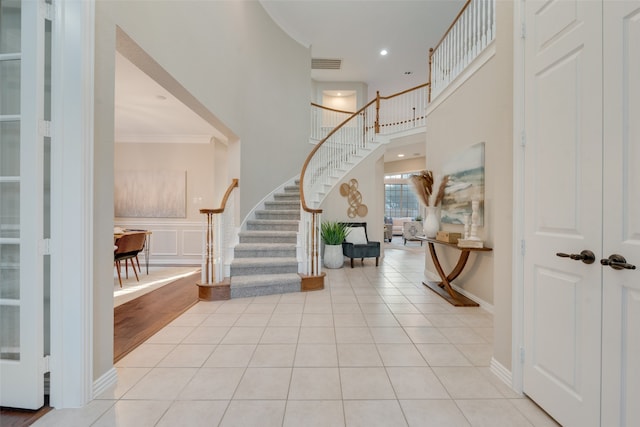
x=209 y=289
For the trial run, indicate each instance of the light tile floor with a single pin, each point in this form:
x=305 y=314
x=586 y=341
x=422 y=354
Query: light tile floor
x=374 y=348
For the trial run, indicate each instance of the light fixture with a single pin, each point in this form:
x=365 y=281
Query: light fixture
x=400 y=155
x=161 y=97
x=339 y=94
x=383 y=52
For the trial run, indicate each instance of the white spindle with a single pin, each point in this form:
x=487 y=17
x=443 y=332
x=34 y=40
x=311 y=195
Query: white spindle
x=468 y=37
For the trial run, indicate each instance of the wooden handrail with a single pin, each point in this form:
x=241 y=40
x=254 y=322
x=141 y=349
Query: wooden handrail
x=406 y=91
x=303 y=202
x=330 y=109
x=450 y=27
x=234 y=184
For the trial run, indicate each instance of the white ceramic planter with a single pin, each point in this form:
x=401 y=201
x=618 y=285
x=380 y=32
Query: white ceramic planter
x=333 y=257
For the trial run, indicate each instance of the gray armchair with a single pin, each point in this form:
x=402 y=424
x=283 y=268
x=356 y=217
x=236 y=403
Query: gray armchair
x=357 y=244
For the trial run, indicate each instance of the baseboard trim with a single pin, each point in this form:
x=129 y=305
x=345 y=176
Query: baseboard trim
x=107 y=380
x=499 y=370
x=428 y=275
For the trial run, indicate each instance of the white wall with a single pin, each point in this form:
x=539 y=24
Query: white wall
x=481 y=110
x=237 y=63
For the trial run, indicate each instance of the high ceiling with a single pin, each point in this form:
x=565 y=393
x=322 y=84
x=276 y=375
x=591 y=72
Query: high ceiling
x=356 y=31
x=352 y=31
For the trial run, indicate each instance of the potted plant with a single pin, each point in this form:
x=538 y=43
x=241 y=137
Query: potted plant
x=333 y=234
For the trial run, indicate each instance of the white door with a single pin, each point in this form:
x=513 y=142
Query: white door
x=621 y=293
x=563 y=208
x=22 y=203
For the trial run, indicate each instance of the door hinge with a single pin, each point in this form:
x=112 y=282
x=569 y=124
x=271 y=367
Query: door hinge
x=44 y=365
x=523 y=31
x=47 y=9
x=522 y=352
x=523 y=247
x=44 y=247
x=45 y=128
x=523 y=139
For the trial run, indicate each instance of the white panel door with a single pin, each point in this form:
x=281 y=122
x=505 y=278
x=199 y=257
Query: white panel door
x=22 y=70
x=621 y=288
x=563 y=208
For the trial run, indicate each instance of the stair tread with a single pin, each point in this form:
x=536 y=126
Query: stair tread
x=266 y=245
x=267 y=233
x=264 y=261
x=272 y=221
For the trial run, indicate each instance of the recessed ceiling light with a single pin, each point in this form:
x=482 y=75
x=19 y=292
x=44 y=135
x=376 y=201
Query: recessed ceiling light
x=339 y=94
x=383 y=52
x=161 y=97
x=400 y=155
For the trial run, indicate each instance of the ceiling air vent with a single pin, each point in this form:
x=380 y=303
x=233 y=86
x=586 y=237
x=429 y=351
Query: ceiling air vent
x=325 y=64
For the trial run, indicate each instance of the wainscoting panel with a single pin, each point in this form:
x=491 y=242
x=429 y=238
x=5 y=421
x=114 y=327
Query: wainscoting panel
x=192 y=242
x=173 y=242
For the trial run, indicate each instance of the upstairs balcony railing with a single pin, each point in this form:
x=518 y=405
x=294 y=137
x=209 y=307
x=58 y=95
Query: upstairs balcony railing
x=469 y=34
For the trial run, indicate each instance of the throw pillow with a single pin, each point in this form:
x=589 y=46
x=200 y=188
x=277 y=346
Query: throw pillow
x=356 y=236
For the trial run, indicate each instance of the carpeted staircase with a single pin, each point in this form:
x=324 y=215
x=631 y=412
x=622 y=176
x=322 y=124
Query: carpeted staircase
x=265 y=259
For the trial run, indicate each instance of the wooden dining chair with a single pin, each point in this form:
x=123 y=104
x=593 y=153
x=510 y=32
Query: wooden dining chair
x=127 y=248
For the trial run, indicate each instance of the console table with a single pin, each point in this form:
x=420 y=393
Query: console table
x=443 y=288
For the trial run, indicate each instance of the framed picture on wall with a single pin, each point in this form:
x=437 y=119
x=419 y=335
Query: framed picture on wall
x=466 y=183
x=150 y=194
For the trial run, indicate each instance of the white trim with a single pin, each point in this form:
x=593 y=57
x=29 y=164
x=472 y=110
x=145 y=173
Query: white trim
x=517 y=296
x=433 y=277
x=164 y=139
x=108 y=379
x=499 y=370
x=468 y=72
x=72 y=204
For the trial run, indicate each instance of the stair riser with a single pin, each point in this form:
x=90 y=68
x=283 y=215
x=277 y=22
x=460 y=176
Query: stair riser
x=265 y=253
x=255 y=291
x=249 y=270
x=288 y=206
x=268 y=239
x=271 y=227
x=278 y=215
x=292 y=190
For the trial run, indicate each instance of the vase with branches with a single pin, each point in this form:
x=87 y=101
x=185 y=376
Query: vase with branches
x=424 y=185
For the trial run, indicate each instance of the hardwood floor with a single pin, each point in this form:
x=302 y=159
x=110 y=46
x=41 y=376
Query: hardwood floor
x=10 y=417
x=134 y=322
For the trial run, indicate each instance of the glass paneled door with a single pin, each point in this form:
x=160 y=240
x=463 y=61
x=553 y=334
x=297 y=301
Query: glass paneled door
x=24 y=218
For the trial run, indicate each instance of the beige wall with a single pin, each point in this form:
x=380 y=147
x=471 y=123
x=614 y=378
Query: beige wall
x=481 y=110
x=405 y=166
x=370 y=176
x=237 y=63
